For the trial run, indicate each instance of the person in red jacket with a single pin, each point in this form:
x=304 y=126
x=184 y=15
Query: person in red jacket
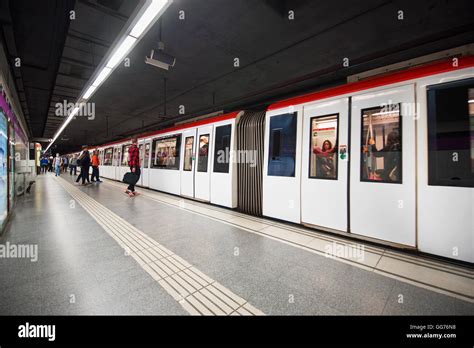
x=134 y=163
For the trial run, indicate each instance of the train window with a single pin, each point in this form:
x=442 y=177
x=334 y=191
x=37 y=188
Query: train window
x=282 y=145
x=222 y=149
x=108 y=156
x=203 y=153
x=147 y=155
x=140 y=154
x=125 y=155
x=166 y=152
x=188 y=154
x=451 y=134
x=323 y=147
x=381 y=158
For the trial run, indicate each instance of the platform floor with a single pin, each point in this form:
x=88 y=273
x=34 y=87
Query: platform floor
x=102 y=252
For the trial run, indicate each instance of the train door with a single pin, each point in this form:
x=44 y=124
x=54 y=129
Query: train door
x=146 y=163
x=383 y=155
x=187 y=172
x=202 y=173
x=281 y=169
x=325 y=164
x=124 y=161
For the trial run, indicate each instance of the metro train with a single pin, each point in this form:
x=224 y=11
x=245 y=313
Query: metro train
x=388 y=159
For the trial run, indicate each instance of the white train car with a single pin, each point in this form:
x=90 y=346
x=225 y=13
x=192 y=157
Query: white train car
x=389 y=159
x=194 y=160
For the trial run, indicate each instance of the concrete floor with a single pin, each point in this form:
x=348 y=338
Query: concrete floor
x=81 y=269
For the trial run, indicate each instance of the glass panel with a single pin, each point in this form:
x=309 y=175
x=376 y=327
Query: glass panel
x=222 y=149
x=166 y=152
x=140 y=153
x=108 y=156
x=451 y=134
x=282 y=149
x=323 y=147
x=125 y=155
x=188 y=154
x=276 y=141
x=147 y=155
x=203 y=155
x=381 y=158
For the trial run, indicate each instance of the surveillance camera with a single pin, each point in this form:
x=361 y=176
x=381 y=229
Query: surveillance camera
x=160 y=59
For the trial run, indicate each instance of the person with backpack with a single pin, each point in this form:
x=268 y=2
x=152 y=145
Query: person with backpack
x=95 y=166
x=134 y=163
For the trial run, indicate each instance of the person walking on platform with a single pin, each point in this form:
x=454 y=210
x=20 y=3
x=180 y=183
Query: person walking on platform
x=65 y=163
x=44 y=165
x=134 y=163
x=73 y=165
x=84 y=161
x=95 y=166
x=57 y=164
x=50 y=164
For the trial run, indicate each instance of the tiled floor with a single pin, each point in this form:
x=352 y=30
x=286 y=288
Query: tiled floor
x=81 y=269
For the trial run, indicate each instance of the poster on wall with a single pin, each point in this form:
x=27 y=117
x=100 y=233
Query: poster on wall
x=3 y=168
x=11 y=166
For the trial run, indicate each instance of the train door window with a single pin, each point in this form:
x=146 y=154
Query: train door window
x=222 y=149
x=108 y=156
x=381 y=159
x=147 y=155
x=323 y=147
x=451 y=134
x=188 y=154
x=282 y=145
x=203 y=154
x=125 y=155
x=115 y=158
x=166 y=152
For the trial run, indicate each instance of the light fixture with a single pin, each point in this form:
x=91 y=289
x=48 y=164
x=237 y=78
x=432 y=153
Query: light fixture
x=121 y=51
x=146 y=15
x=150 y=13
x=89 y=92
x=102 y=76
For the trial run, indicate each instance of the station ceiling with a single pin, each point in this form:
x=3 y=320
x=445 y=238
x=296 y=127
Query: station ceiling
x=278 y=57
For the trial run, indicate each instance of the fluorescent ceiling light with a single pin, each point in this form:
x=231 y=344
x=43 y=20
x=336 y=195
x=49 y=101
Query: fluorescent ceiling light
x=121 y=51
x=471 y=101
x=89 y=92
x=102 y=76
x=147 y=17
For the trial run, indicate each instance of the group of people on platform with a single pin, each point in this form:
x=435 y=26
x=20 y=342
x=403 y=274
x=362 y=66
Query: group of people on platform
x=85 y=161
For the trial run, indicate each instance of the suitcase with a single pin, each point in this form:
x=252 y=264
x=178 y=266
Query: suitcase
x=130 y=178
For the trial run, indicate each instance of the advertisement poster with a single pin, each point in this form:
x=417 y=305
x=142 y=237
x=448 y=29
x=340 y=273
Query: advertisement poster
x=3 y=168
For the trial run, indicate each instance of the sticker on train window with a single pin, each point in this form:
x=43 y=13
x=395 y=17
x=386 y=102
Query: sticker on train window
x=282 y=145
x=451 y=134
x=323 y=147
x=188 y=154
x=166 y=152
x=203 y=153
x=381 y=150
x=222 y=149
